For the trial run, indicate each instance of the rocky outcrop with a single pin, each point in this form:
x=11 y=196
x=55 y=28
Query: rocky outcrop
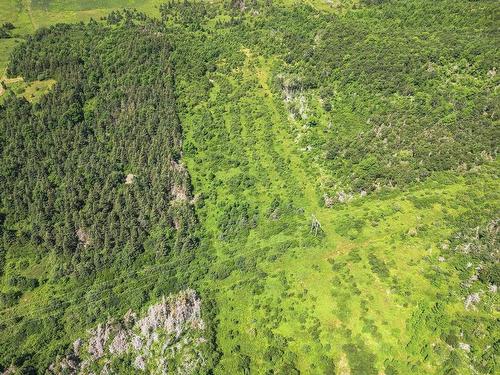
x=471 y=300
x=167 y=338
x=129 y=179
x=83 y=237
x=340 y=197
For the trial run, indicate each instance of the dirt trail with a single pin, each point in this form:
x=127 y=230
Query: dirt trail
x=287 y=145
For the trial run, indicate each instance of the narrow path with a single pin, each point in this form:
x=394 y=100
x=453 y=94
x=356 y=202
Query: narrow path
x=27 y=5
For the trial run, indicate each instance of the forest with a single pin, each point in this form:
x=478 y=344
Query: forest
x=240 y=187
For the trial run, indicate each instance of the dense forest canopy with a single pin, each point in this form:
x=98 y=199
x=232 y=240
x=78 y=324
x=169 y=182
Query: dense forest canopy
x=108 y=117
x=252 y=187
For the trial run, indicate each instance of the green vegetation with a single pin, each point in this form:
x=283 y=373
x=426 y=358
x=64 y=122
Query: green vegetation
x=324 y=176
x=29 y=15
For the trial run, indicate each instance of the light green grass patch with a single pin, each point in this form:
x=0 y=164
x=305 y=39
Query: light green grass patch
x=36 y=89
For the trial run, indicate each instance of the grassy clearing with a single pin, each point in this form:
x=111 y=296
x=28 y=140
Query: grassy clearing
x=36 y=89
x=352 y=293
x=31 y=91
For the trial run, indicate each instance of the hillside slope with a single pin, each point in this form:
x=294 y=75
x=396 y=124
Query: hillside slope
x=325 y=182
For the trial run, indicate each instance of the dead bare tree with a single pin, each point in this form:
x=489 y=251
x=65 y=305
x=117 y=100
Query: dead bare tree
x=315 y=225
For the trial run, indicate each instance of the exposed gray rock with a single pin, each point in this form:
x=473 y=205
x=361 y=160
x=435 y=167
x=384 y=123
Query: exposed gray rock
x=77 y=346
x=130 y=318
x=139 y=363
x=68 y=365
x=129 y=179
x=471 y=300
x=83 y=237
x=465 y=347
x=343 y=197
x=137 y=343
x=120 y=343
x=172 y=315
x=179 y=193
x=98 y=340
x=170 y=329
x=329 y=201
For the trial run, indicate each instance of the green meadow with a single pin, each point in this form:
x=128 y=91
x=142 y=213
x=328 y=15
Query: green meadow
x=345 y=298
